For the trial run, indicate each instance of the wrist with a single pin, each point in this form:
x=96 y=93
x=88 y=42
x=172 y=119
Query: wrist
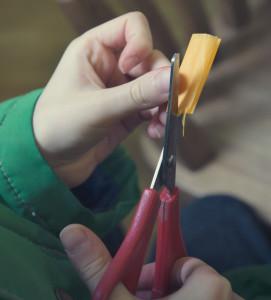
x=74 y=173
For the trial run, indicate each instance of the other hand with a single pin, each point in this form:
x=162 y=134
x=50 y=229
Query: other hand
x=191 y=278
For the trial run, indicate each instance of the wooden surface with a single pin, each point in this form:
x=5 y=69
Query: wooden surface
x=33 y=36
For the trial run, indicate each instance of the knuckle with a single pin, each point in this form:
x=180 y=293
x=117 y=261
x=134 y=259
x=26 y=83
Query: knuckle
x=221 y=287
x=159 y=56
x=79 y=43
x=157 y=53
x=74 y=44
x=227 y=286
x=90 y=271
x=137 y=95
x=139 y=15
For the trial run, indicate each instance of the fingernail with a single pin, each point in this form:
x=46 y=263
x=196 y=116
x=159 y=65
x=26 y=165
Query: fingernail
x=162 y=79
x=163 y=117
x=157 y=132
x=160 y=130
x=73 y=239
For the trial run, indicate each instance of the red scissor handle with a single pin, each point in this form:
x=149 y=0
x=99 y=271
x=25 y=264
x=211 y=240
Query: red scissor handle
x=170 y=245
x=127 y=263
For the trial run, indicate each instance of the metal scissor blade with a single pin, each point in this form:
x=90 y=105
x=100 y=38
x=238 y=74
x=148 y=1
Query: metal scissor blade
x=156 y=180
x=173 y=128
x=166 y=167
x=174 y=83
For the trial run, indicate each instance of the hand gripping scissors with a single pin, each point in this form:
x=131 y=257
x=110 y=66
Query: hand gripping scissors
x=127 y=264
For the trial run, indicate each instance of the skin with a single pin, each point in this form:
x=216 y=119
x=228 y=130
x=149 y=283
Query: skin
x=191 y=278
x=108 y=81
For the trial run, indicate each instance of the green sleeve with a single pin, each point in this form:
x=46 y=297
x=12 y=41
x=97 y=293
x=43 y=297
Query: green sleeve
x=29 y=187
x=252 y=282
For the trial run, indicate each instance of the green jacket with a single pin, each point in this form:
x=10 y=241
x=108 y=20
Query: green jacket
x=35 y=205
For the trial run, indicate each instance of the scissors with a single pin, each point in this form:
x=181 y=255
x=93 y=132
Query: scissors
x=127 y=264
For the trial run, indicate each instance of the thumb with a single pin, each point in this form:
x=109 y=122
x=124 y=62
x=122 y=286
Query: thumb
x=145 y=92
x=199 y=281
x=86 y=252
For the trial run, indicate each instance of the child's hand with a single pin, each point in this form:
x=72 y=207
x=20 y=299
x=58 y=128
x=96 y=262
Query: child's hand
x=108 y=81
x=191 y=278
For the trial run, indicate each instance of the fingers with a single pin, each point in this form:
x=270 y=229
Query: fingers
x=131 y=32
x=199 y=281
x=145 y=92
x=151 y=68
x=86 y=252
x=156 y=128
x=139 y=42
x=90 y=258
x=129 y=38
x=154 y=61
x=146 y=277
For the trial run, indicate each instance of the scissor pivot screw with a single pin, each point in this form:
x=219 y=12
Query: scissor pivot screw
x=171 y=161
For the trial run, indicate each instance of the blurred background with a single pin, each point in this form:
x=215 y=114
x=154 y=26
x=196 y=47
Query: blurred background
x=227 y=143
